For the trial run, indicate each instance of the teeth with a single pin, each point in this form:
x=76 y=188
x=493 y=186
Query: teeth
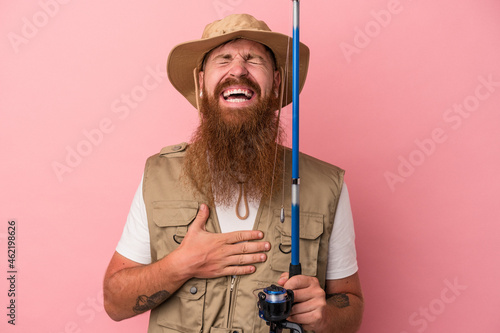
x=237 y=100
x=245 y=92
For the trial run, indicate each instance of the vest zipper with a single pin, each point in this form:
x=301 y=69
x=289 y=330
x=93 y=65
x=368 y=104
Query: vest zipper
x=231 y=302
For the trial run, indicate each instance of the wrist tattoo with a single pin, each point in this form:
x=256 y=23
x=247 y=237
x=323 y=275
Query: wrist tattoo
x=145 y=303
x=339 y=300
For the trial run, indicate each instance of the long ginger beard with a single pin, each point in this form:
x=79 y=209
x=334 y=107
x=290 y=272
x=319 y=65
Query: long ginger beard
x=233 y=146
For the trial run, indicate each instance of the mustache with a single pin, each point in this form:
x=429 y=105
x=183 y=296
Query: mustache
x=240 y=81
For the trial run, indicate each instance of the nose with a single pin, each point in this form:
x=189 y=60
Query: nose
x=238 y=68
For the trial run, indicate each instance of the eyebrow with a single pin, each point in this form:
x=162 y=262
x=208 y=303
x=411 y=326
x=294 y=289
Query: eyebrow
x=270 y=52
x=246 y=57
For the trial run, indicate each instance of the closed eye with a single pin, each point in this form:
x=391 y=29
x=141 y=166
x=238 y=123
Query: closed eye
x=254 y=59
x=223 y=59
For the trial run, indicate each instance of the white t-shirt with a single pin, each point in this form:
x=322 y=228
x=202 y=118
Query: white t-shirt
x=134 y=242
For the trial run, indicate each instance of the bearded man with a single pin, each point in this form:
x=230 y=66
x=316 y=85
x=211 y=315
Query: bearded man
x=206 y=227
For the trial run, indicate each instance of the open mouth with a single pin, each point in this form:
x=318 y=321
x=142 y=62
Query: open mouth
x=238 y=95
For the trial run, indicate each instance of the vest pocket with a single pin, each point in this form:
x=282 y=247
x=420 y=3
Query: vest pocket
x=183 y=311
x=171 y=219
x=311 y=229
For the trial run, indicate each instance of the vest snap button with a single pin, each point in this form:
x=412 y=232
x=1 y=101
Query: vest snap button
x=193 y=290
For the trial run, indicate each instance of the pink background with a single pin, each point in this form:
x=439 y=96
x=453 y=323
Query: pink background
x=397 y=94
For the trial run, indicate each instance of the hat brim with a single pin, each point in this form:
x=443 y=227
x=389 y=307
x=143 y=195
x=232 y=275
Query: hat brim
x=185 y=57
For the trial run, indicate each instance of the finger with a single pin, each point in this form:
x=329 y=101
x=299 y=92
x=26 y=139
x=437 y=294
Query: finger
x=310 y=294
x=238 y=270
x=251 y=247
x=301 y=282
x=243 y=236
x=283 y=278
x=308 y=303
x=295 y=282
x=245 y=253
x=201 y=217
x=246 y=259
x=308 y=313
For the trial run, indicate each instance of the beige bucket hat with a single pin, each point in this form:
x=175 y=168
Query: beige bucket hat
x=186 y=57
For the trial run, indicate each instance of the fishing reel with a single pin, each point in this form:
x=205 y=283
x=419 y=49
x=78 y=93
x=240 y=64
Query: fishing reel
x=275 y=304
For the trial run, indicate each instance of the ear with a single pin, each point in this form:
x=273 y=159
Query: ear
x=277 y=79
x=200 y=79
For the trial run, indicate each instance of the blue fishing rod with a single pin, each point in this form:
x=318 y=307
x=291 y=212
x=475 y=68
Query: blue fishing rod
x=275 y=303
x=295 y=267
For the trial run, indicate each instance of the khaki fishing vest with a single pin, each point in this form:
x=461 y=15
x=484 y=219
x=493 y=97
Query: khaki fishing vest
x=229 y=304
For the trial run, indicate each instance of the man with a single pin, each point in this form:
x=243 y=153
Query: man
x=210 y=225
